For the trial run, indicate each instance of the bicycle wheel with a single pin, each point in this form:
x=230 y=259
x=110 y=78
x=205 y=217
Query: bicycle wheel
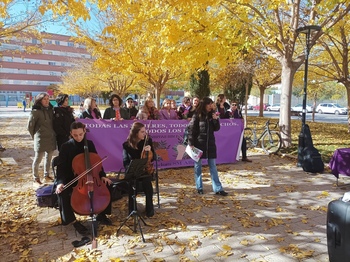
x=271 y=142
x=248 y=135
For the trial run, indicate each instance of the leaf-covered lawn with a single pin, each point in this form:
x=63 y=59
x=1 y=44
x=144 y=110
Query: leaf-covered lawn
x=326 y=137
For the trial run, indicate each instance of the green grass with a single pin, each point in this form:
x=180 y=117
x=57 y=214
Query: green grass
x=326 y=137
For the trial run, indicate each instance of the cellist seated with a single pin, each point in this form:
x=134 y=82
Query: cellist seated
x=133 y=148
x=65 y=174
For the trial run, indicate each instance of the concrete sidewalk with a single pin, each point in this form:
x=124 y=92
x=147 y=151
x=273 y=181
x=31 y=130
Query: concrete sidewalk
x=274 y=212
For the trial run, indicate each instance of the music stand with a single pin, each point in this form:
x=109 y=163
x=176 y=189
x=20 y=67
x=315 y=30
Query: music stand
x=135 y=171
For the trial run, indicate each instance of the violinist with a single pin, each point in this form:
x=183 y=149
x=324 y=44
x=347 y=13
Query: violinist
x=65 y=174
x=133 y=148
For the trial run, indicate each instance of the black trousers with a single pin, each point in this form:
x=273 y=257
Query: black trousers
x=66 y=210
x=142 y=185
x=244 y=148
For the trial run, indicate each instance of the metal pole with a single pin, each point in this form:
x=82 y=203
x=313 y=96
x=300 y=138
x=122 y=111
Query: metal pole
x=307 y=51
x=301 y=144
x=307 y=30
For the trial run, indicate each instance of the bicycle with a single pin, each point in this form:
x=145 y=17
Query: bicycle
x=271 y=140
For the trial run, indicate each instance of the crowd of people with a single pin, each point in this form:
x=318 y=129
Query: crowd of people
x=56 y=128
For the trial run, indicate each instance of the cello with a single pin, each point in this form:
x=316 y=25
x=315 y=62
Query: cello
x=90 y=196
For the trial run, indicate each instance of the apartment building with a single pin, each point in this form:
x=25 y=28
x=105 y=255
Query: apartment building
x=24 y=74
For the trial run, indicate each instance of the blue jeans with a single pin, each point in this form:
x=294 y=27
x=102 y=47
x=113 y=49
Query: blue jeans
x=217 y=187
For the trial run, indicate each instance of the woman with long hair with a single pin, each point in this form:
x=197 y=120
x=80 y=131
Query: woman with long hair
x=148 y=111
x=201 y=135
x=222 y=107
x=91 y=110
x=40 y=127
x=132 y=149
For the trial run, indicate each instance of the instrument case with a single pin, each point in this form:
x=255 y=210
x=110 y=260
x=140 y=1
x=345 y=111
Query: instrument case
x=338 y=231
x=46 y=197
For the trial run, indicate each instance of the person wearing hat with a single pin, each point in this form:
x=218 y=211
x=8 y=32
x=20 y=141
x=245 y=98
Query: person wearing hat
x=130 y=108
x=63 y=118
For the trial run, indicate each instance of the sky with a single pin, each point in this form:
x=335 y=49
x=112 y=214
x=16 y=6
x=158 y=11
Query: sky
x=18 y=12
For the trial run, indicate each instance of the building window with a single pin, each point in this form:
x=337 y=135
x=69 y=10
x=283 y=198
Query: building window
x=34 y=41
x=48 y=41
x=28 y=62
x=57 y=42
x=70 y=44
x=52 y=63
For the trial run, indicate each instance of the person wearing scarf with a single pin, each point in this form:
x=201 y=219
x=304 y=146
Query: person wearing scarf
x=115 y=111
x=40 y=127
x=91 y=110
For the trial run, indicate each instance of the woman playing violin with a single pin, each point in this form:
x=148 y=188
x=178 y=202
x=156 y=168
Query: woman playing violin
x=65 y=174
x=133 y=148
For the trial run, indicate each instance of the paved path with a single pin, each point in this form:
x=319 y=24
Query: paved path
x=274 y=212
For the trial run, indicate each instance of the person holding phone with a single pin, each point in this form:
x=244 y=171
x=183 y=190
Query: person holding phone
x=201 y=135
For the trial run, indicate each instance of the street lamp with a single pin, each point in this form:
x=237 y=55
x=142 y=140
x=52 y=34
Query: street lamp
x=307 y=30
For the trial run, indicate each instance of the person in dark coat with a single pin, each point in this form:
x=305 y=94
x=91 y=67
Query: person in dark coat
x=63 y=118
x=40 y=127
x=131 y=110
x=115 y=111
x=201 y=135
x=222 y=107
x=132 y=149
x=91 y=110
x=185 y=110
x=69 y=150
x=236 y=113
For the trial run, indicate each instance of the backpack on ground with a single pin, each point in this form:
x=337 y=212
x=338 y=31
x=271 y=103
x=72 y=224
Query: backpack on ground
x=312 y=161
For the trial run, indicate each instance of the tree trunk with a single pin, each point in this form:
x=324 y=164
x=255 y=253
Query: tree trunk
x=347 y=85
x=261 y=104
x=286 y=94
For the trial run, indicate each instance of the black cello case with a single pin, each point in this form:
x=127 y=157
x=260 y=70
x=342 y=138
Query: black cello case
x=311 y=158
x=338 y=231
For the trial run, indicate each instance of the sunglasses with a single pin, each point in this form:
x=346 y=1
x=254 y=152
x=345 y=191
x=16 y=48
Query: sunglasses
x=234 y=105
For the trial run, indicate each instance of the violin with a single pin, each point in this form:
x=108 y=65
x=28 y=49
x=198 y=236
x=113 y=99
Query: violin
x=90 y=196
x=149 y=168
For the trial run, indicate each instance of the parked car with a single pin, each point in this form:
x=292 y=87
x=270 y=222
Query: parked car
x=257 y=107
x=249 y=107
x=274 y=107
x=331 y=108
x=299 y=108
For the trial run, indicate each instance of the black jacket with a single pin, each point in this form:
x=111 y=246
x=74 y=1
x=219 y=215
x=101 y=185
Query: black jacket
x=68 y=151
x=87 y=114
x=201 y=134
x=110 y=113
x=225 y=113
x=131 y=112
x=130 y=153
x=63 y=118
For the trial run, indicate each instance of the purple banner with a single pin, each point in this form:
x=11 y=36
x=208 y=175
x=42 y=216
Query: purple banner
x=167 y=135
